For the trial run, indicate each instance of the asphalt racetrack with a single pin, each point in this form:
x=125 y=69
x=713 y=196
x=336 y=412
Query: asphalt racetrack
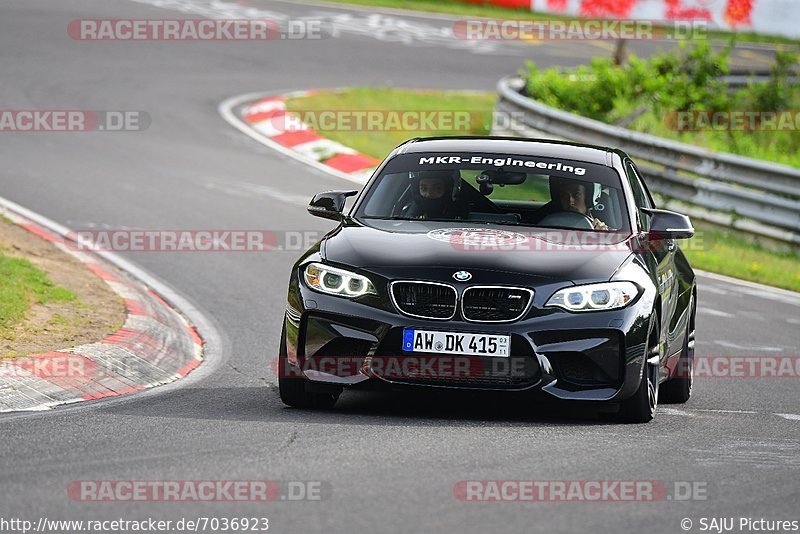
x=388 y=463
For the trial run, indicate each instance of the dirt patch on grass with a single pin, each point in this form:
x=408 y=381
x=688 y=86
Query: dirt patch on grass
x=95 y=313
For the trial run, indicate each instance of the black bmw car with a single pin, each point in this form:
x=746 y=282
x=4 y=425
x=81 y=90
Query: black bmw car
x=495 y=264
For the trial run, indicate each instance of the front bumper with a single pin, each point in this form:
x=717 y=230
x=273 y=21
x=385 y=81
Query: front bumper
x=597 y=356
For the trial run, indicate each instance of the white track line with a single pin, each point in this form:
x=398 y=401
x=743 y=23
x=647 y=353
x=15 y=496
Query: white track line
x=787 y=296
x=727 y=411
x=674 y=411
x=689 y=413
x=715 y=313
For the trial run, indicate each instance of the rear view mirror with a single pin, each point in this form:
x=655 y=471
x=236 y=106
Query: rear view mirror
x=669 y=225
x=330 y=204
x=499 y=177
x=487 y=180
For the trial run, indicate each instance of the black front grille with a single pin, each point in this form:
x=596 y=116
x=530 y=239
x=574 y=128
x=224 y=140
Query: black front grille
x=432 y=301
x=575 y=367
x=495 y=303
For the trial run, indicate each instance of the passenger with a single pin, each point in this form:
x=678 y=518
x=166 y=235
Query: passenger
x=570 y=195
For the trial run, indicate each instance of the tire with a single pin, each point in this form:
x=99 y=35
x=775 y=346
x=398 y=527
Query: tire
x=641 y=407
x=678 y=390
x=293 y=390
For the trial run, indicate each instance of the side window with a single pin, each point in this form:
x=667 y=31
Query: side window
x=640 y=194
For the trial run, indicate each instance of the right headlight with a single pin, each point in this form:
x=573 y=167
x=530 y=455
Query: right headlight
x=334 y=281
x=595 y=297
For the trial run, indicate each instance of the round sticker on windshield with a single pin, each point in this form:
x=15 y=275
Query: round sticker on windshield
x=477 y=237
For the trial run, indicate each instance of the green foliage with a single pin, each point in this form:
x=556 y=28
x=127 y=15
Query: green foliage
x=693 y=82
x=590 y=91
x=651 y=91
x=778 y=93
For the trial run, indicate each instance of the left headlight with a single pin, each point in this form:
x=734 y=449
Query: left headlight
x=595 y=297
x=333 y=281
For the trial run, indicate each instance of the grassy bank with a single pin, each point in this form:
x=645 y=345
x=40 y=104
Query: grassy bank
x=477 y=107
x=48 y=299
x=715 y=250
x=21 y=286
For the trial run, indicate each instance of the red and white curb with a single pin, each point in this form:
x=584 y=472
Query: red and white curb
x=156 y=345
x=265 y=118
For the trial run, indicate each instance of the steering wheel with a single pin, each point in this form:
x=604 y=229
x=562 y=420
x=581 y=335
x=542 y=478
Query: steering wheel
x=568 y=219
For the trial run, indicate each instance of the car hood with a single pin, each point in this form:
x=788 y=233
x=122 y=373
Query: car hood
x=408 y=248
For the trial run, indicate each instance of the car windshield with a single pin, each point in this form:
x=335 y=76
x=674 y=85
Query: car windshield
x=501 y=189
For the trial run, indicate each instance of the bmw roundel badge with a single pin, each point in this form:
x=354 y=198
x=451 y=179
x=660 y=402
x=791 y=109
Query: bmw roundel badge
x=462 y=276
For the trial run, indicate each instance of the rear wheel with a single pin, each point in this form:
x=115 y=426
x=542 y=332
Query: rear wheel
x=679 y=388
x=641 y=407
x=292 y=389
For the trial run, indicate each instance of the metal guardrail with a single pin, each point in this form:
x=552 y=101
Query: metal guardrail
x=732 y=187
x=740 y=81
x=743 y=77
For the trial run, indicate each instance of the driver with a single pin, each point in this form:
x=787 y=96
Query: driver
x=572 y=196
x=435 y=194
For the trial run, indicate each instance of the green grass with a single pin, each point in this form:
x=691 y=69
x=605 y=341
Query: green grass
x=378 y=144
x=777 y=146
x=714 y=250
x=21 y=285
x=724 y=252
x=455 y=7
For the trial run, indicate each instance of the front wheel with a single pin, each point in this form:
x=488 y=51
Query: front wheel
x=292 y=389
x=678 y=389
x=641 y=407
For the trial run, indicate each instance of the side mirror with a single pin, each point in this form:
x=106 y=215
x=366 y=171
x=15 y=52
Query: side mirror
x=669 y=225
x=330 y=204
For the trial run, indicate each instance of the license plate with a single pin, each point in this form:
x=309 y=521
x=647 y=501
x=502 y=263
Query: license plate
x=456 y=343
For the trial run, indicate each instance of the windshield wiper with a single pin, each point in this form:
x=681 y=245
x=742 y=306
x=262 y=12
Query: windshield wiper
x=391 y=218
x=498 y=223
x=470 y=221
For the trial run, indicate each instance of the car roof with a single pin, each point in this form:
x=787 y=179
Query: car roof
x=510 y=145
